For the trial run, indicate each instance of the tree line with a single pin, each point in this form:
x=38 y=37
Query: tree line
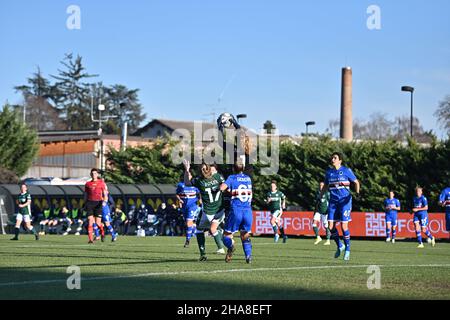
x=64 y=101
x=380 y=166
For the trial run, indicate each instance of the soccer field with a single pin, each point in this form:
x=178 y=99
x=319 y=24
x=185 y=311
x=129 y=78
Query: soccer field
x=160 y=268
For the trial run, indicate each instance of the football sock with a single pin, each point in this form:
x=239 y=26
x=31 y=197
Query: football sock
x=189 y=233
x=218 y=239
x=41 y=227
x=388 y=232
x=275 y=229
x=90 y=231
x=16 y=232
x=282 y=231
x=419 y=236
x=328 y=233
x=102 y=230
x=428 y=233
x=32 y=230
x=228 y=242
x=347 y=239
x=110 y=229
x=247 y=246
x=316 y=231
x=97 y=233
x=335 y=237
x=201 y=243
x=394 y=232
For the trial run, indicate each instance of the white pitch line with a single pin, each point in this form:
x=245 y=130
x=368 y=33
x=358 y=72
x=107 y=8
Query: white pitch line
x=113 y=245
x=155 y=274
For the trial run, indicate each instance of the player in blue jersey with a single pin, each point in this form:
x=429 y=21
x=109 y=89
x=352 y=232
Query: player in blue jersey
x=240 y=217
x=107 y=220
x=420 y=211
x=391 y=207
x=444 y=201
x=188 y=198
x=338 y=180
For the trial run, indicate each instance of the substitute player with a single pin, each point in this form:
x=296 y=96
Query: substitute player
x=444 y=201
x=96 y=196
x=213 y=213
x=420 y=211
x=391 y=207
x=188 y=198
x=240 y=217
x=338 y=180
x=276 y=201
x=24 y=204
x=321 y=215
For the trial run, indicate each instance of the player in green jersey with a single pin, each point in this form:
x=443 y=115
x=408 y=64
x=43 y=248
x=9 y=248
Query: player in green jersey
x=321 y=215
x=212 y=213
x=276 y=201
x=24 y=204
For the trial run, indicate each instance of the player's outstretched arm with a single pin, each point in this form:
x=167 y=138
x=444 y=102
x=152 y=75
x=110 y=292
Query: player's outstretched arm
x=324 y=189
x=357 y=186
x=187 y=174
x=223 y=187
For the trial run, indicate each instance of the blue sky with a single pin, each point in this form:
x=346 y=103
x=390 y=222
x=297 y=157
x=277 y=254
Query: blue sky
x=284 y=57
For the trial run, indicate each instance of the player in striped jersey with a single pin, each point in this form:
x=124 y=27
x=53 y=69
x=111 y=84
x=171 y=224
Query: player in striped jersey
x=391 y=207
x=188 y=198
x=338 y=180
x=241 y=216
x=444 y=201
x=420 y=211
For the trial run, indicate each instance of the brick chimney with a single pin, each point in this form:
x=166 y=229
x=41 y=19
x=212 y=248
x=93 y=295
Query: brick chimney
x=346 y=105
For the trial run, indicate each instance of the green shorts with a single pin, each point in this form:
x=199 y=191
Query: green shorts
x=276 y=214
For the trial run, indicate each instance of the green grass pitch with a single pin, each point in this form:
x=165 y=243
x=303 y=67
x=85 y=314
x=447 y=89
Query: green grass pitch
x=160 y=268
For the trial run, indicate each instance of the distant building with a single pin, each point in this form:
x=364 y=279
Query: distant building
x=73 y=154
x=159 y=128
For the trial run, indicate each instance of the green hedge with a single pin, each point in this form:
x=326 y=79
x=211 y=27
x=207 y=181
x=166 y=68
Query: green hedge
x=380 y=166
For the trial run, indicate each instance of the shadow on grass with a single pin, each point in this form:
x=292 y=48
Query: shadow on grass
x=43 y=285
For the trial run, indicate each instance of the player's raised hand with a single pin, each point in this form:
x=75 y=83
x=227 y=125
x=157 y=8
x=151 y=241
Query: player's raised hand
x=187 y=164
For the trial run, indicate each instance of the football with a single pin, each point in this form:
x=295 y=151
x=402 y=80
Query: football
x=225 y=120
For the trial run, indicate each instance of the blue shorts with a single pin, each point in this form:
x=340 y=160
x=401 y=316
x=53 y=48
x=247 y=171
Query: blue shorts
x=422 y=218
x=106 y=214
x=447 y=221
x=239 y=219
x=340 y=211
x=191 y=213
x=392 y=218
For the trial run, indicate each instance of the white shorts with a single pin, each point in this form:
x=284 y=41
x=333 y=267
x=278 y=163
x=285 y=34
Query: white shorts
x=207 y=219
x=21 y=217
x=323 y=218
